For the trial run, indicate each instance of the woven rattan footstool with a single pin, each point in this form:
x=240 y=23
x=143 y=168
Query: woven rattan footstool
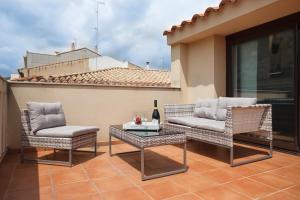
x=144 y=139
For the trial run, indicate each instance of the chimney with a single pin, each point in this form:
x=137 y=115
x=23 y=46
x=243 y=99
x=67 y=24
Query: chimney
x=147 y=65
x=73 y=46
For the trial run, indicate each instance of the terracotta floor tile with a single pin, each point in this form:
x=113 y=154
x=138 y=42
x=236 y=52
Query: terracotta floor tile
x=29 y=182
x=65 y=177
x=128 y=168
x=291 y=173
x=193 y=182
x=11 y=159
x=222 y=175
x=267 y=164
x=132 y=193
x=188 y=196
x=136 y=178
x=279 y=196
x=114 y=183
x=101 y=172
x=200 y=167
x=221 y=192
x=116 y=160
x=6 y=171
x=75 y=190
x=245 y=170
x=118 y=177
x=250 y=188
x=284 y=160
x=61 y=168
x=29 y=169
x=273 y=180
x=295 y=169
x=42 y=193
x=294 y=191
x=163 y=190
x=95 y=163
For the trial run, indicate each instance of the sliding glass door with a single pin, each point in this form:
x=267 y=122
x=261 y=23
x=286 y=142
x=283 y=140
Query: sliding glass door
x=264 y=66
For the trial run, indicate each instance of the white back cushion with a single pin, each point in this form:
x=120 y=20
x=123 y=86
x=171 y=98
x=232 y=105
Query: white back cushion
x=206 y=108
x=224 y=102
x=45 y=115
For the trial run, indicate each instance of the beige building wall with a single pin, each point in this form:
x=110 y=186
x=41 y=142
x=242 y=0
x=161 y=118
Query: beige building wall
x=198 y=51
x=87 y=105
x=200 y=68
x=3 y=117
x=39 y=59
x=67 y=67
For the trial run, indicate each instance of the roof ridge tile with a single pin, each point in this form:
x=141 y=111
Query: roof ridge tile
x=196 y=16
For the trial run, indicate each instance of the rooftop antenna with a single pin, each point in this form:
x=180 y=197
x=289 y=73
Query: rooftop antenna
x=97 y=25
x=162 y=62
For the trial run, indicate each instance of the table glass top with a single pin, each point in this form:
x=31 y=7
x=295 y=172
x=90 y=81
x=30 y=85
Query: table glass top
x=142 y=133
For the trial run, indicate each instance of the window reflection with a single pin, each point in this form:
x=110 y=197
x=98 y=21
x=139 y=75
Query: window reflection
x=264 y=68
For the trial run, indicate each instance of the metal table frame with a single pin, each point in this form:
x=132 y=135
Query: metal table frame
x=142 y=151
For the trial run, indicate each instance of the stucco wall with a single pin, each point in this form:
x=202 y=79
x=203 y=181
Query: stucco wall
x=200 y=68
x=87 y=105
x=3 y=117
x=75 y=66
x=68 y=67
x=38 y=59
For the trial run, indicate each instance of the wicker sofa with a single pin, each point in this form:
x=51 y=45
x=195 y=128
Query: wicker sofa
x=44 y=126
x=216 y=121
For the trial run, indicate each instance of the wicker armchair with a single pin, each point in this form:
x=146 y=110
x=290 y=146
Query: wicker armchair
x=254 y=119
x=84 y=136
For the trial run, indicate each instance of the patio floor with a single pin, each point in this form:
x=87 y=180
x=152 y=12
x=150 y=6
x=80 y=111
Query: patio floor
x=118 y=177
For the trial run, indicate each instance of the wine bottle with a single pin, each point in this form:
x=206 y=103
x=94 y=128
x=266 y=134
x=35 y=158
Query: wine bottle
x=155 y=114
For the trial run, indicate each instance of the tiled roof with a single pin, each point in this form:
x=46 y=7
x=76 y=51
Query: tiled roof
x=110 y=77
x=198 y=16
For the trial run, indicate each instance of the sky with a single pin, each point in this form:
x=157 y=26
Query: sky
x=129 y=30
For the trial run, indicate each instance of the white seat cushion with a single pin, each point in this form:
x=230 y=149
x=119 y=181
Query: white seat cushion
x=197 y=122
x=66 y=131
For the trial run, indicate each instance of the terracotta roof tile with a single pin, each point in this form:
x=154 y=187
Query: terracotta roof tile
x=110 y=77
x=197 y=16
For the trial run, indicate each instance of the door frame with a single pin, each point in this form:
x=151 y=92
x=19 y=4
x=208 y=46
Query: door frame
x=291 y=21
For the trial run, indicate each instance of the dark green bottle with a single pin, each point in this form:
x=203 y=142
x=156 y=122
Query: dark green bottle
x=155 y=114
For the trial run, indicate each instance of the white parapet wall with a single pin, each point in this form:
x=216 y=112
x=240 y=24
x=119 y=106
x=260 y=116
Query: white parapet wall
x=3 y=117
x=99 y=106
x=105 y=62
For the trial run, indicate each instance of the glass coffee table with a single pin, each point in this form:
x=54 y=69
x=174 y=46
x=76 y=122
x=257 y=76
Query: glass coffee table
x=145 y=139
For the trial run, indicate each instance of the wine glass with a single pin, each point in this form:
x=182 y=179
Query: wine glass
x=144 y=117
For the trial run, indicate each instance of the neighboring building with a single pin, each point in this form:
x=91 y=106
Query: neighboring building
x=38 y=59
x=74 y=61
x=243 y=48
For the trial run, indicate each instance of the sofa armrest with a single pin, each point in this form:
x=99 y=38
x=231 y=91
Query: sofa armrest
x=254 y=118
x=178 y=110
x=25 y=121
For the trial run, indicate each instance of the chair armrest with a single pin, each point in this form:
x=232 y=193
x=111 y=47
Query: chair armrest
x=242 y=119
x=178 y=110
x=25 y=121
